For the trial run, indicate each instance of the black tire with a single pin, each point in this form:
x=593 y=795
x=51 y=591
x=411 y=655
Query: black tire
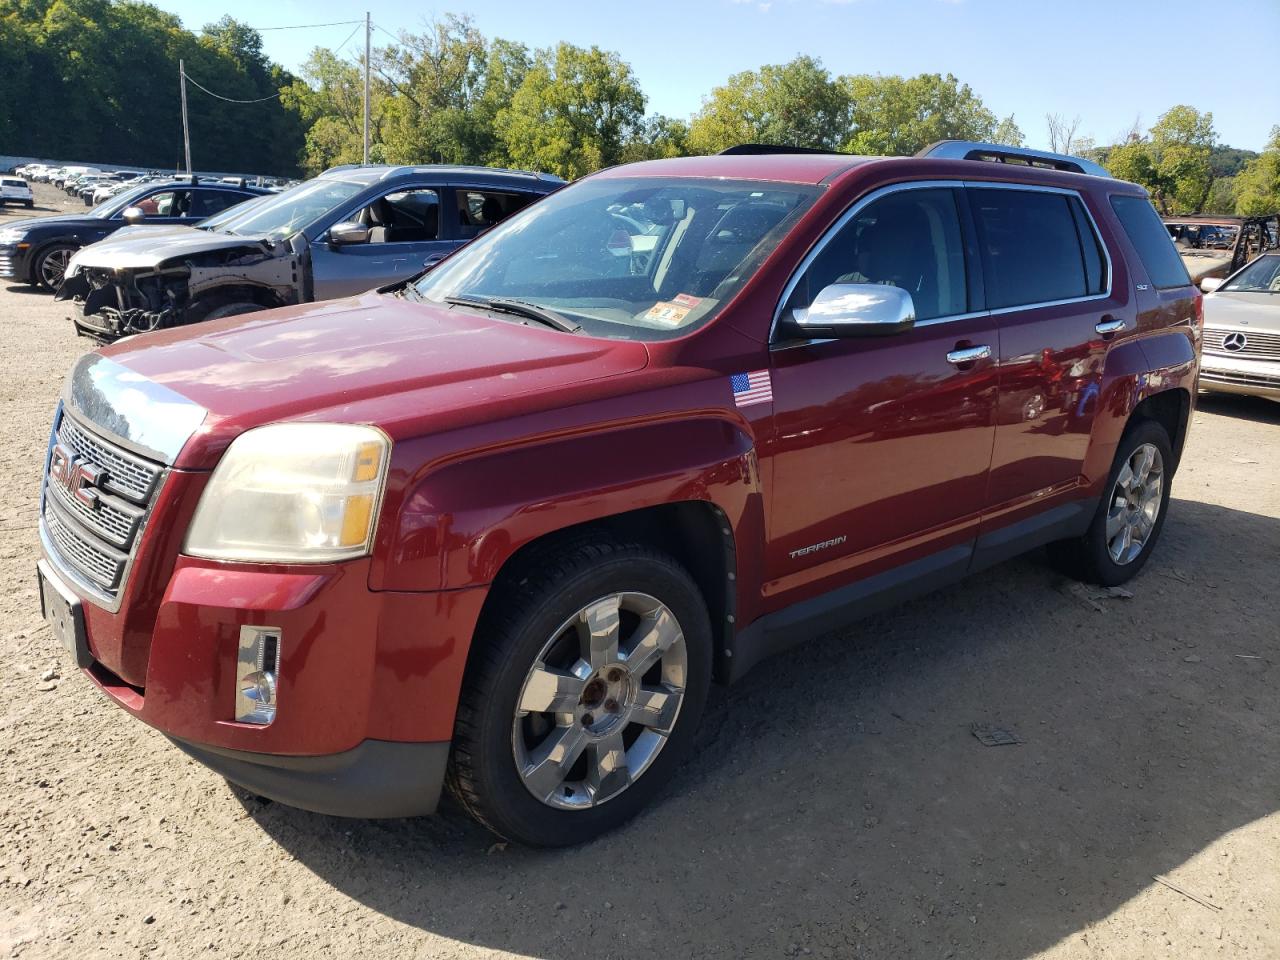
x=29 y=204
x=483 y=774
x=234 y=309
x=1088 y=558
x=41 y=265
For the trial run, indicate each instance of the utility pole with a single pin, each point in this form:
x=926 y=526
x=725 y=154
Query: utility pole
x=368 y=30
x=186 y=129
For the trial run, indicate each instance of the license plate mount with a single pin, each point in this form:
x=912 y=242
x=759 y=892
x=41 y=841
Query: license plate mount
x=64 y=613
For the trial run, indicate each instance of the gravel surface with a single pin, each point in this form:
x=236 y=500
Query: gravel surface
x=839 y=804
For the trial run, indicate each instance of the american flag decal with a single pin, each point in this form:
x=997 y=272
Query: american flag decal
x=753 y=387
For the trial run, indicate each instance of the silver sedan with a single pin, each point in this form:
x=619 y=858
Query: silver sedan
x=1242 y=331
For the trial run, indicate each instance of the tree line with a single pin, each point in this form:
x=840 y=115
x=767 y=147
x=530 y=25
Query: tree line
x=98 y=79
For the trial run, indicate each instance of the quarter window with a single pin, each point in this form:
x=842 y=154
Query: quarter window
x=1037 y=247
x=1151 y=239
x=909 y=239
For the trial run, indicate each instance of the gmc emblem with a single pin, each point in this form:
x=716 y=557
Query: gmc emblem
x=78 y=477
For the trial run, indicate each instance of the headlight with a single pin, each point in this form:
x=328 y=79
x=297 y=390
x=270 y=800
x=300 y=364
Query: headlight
x=293 y=493
x=11 y=236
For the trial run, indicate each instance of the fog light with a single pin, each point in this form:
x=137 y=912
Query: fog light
x=257 y=666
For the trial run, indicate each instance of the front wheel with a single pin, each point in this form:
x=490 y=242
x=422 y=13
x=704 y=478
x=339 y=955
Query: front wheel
x=583 y=695
x=51 y=265
x=1131 y=515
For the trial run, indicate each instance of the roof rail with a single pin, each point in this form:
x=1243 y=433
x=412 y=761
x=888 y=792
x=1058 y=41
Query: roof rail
x=1001 y=153
x=766 y=149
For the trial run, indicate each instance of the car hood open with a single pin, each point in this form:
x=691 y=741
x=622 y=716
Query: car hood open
x=144 y=246
x=410 y=368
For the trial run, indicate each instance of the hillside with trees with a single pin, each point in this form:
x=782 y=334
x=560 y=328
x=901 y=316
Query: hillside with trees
x=98 y=79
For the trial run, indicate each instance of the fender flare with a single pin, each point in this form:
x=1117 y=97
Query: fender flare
x=455 y=524
x=1136 y=370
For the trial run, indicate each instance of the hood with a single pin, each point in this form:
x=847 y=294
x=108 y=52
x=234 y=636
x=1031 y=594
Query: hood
x=1258 y=311
x=145 y=246
x=61 y=221
x=409 y=368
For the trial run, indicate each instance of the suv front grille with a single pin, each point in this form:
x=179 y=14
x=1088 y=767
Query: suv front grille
x=1257 y=345
x=95 y=538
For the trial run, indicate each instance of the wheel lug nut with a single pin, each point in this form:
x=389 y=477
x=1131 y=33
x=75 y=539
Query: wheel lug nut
x=587 y=719
x=615 y=675
x=611 y=706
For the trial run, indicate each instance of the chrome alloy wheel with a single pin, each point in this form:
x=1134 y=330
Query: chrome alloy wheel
x=53 y=266
x=1135 y=504
x=600 y=701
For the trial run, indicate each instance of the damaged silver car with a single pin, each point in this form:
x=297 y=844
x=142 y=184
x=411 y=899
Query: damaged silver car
x=349 y=230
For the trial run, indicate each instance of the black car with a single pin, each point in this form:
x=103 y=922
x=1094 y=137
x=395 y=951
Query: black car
x=36 y=250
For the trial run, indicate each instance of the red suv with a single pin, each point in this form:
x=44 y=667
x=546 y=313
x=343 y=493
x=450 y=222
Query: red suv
x=500 y=527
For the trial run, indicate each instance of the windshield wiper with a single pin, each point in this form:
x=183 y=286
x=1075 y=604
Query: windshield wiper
x=409 y=292
x=520 y=308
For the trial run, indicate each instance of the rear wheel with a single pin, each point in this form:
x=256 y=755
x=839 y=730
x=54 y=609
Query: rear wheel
x=1131 y=515
x=51 y=265
x=584 y=697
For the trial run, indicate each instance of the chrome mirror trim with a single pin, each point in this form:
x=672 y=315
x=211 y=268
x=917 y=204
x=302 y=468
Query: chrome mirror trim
x=856 y=310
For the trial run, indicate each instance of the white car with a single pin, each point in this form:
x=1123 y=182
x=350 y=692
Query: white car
x=1241 y=351
x=13 y=190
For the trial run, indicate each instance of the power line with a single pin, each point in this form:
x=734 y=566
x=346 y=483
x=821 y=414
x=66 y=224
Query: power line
x=309 y=26
x=218 y=96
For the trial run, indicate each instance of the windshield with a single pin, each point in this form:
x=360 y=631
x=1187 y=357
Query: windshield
x=638 y=258
x=117 y=203
x=284 y=214
x=1261 y=276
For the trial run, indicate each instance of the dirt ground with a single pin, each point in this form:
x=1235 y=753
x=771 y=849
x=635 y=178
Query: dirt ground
x=838 y=805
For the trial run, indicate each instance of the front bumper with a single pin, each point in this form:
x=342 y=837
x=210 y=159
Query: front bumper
x=1253 y=378
x=13 y=262
x=376 y=779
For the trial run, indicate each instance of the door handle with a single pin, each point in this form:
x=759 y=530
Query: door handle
x=969 y=354
x=1109 y=328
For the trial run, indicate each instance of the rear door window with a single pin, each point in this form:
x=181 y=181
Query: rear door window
x=478 y=210
x=1150 y=238
x=1037 y=246
x=205 y=203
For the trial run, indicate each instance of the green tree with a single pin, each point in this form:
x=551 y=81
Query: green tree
x=1008 y=133
x=573 y=112
x=329 y=99
x=1258 y=184
x=1182 y=142
x=657 y=138
x=897 y=116
x=795 y=104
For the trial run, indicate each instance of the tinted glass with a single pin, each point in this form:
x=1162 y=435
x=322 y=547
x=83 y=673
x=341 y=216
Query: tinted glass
x=909 y=239
x=1150 y=238
x=205 y=203
x=478 y=210
x=644 y=258
x=1091 y=247
x=1030 y=245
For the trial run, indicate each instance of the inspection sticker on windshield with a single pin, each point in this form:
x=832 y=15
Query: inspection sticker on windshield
x=753 y=387
x=668 y=312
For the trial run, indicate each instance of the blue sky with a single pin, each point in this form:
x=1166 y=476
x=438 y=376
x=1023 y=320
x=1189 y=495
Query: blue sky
x=1108 y=61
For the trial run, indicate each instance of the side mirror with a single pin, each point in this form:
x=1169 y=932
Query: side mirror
x=348 y=232
x=1210 y=284
x=856 y=310
x=133 y=215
